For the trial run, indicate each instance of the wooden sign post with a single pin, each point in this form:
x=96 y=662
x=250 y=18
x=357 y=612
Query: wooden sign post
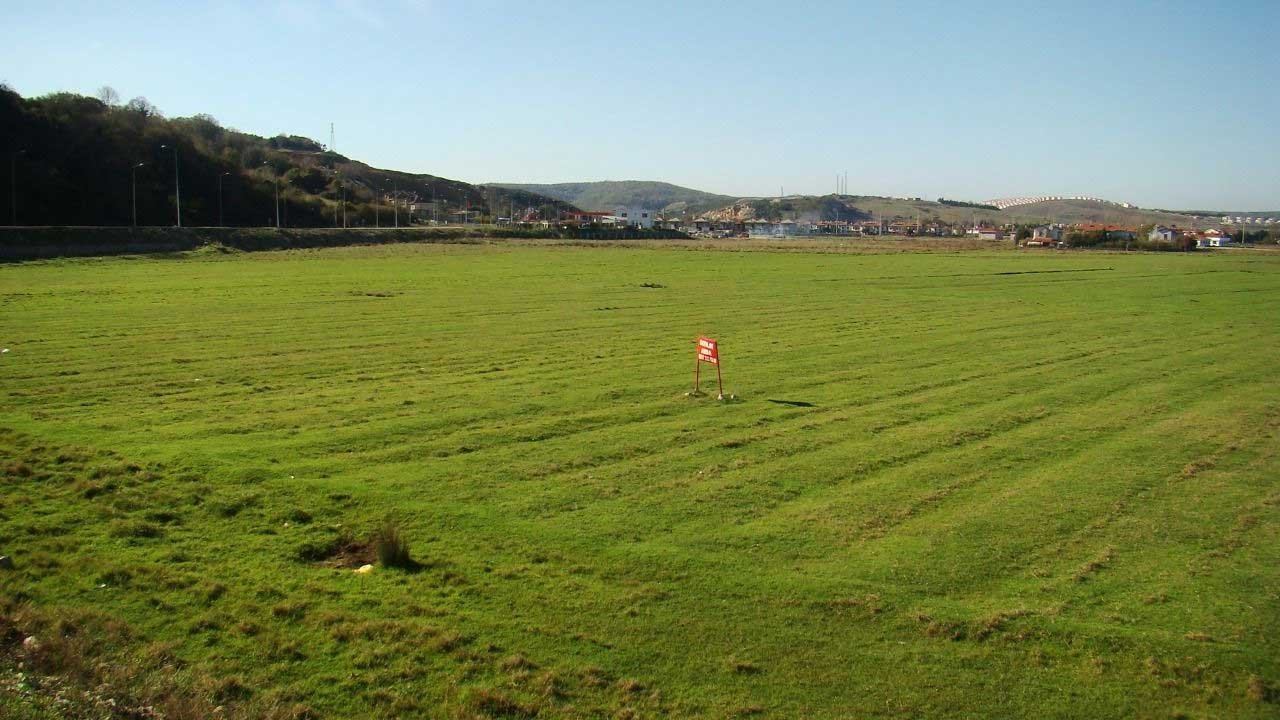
x=708 y=352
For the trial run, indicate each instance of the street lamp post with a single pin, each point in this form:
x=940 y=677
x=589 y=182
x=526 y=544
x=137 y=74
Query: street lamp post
x=337 y=178
x=13 y=185
x=133 y=177
x=395 y=189
x=344 y=204
x=220 y=222
x=277 y=179
x=177 y=183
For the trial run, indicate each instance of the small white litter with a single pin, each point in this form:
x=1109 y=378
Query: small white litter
x=4 y=351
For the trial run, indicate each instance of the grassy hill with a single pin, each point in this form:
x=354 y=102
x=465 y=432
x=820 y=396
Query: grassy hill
x=992 y=484
x=75 y=156
x=1088 y=211
x=610 y=194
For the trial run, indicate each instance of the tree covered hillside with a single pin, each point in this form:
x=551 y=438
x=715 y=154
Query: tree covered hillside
x=72 y=160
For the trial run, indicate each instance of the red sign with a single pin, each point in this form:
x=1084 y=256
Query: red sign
x=708 y=350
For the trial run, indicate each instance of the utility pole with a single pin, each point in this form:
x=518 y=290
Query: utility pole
x=344 y=204
x=177 y=183
x=133 y=176
x=277 y=179
x=13 y=186
x=395 y=189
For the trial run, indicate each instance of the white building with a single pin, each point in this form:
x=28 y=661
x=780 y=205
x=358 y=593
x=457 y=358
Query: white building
x=1213 y=240
x=1162 y=233
x=636 y=217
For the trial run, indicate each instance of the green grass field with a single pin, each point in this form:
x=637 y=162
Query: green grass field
x=952 y=485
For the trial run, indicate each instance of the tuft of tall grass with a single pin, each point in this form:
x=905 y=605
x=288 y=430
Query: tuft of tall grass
x=390 y=544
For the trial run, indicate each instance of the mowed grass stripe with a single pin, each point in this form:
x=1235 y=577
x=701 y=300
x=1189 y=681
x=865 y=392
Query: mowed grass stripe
x=986 y=510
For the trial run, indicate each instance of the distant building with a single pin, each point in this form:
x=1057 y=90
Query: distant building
x=766 y=228
x=832 y=227
x=1161 y=233
x=986 y=233
x=584 y=218
x=1047 y=233
x=640 y=218
x=703 y=227
x=1213 y=239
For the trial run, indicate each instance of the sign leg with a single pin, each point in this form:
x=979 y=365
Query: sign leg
x=719 y=381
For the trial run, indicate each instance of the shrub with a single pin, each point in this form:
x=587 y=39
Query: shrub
x=391 y=546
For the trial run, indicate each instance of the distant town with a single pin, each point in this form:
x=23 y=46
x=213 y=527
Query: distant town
x=1044 y=235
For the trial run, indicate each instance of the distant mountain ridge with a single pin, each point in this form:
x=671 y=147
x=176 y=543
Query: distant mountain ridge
x=612 y=194
x=688 y=203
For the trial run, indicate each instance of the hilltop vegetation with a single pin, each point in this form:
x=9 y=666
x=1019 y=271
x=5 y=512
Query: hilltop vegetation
x=611 y=194
x=74 y=157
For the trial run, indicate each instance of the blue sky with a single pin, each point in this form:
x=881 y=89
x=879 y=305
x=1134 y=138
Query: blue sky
x=1169 y=104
